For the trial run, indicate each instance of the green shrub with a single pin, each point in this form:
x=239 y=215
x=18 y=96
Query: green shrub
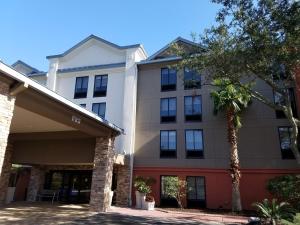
x=286 y=188
x=272 y=212
x=143 y=185
x=175 y=188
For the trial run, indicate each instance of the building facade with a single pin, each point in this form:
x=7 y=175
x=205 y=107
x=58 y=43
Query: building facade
x=168 y=122
x=177 y=134
x=101 y=77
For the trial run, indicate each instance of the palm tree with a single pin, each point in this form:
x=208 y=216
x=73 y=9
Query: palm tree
x=232 y=100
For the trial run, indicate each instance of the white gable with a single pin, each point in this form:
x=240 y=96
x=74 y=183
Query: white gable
x=93 y=52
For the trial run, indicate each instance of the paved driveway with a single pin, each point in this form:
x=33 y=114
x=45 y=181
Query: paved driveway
x=45 y=213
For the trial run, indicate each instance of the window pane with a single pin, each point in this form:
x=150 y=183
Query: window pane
x=189 y=140
x=200 y=188
x=191 y=188
x=197 y=105
x=97 y=82
x=164 y=76
x=95 y=108
x=172 y=76
x=104 y=81
x=284 y=138
x=187 y=74
x=164 y=103
x=198 y=140
x=102 y=110
x=172 y=106
x=85 y=82
x=164 y=136
x=278 y=99
x=188 y=105
x=78 y=83
x=172 y=140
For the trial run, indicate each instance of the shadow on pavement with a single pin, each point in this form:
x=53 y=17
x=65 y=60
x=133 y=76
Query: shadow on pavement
x=121 y=219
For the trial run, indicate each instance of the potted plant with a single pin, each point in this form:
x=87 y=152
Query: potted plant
x=142 y=186
x=149 y=203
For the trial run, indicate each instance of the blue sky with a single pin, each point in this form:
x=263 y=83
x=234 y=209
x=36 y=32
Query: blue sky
x=33 y=29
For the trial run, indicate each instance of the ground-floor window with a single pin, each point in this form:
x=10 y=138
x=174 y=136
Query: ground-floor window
x=74 y=186
x=165 y=199
x=195 y=192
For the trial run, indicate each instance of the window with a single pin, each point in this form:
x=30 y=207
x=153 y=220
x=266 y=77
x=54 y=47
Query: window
x=168 y=110
x=165 y=184
x=285 y=142
x=100 y=85
x=195 y=192
x=192 y=108
x=194 y=143
x=191 y=79
x=168 y=143
x=279 y=100
x=81 y=87
x=168 y=79
x=279 y=72
x=99 y=109
x=83 y=105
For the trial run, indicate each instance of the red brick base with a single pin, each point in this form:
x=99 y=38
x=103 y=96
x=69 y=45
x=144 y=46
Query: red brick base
x=218 y=183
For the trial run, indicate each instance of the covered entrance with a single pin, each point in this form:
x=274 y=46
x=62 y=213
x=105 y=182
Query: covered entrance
x=74 y=186
x=66 y=147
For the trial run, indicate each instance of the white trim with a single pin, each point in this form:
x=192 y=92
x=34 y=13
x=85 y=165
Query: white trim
x=11 y=72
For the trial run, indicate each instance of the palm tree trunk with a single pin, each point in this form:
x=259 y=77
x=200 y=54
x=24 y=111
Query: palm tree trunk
x=234 y=161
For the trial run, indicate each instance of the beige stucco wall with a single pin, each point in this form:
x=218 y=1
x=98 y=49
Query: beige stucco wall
x=258 y=139
x=63 y=151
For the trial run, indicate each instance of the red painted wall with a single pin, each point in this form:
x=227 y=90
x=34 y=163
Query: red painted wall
x=218 y=184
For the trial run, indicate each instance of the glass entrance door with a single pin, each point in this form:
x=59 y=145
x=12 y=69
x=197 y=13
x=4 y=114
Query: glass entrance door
x=196 y=192
x=74 y=185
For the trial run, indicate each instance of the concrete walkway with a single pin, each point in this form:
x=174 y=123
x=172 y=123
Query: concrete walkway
x=45 y=213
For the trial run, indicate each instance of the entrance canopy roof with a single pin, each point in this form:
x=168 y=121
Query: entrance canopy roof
x=38 y=109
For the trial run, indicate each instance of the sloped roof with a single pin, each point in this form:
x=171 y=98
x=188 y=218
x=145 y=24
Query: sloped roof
x=163 y=49
x=98 y=39
x=34 y=71
x=22 y=78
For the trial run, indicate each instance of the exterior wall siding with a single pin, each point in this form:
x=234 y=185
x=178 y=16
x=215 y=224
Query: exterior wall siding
x=259 y=145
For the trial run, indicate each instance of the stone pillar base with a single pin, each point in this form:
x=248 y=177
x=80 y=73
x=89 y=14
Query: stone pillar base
x=123 y=183
x=102 y=175
x=36 y=181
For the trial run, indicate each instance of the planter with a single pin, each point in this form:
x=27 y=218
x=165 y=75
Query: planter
x=148 y=205
x=10 y=194
x=139 y=199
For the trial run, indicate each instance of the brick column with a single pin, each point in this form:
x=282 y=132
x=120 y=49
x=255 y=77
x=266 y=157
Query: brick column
x=102 y=175
x=36 y=181
x=7 y=104
x=123 y=183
